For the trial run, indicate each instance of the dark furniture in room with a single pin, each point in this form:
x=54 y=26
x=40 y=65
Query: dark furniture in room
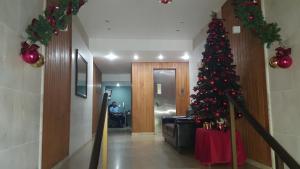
x=179 y=131
x=115 y=120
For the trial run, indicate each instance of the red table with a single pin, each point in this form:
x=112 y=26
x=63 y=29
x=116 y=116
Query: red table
x=214 y=147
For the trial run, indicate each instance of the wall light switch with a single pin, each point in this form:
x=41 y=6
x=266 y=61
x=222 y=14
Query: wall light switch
x=236 y=29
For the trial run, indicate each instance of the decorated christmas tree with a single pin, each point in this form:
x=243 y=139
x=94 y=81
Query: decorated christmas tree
x=217 y=76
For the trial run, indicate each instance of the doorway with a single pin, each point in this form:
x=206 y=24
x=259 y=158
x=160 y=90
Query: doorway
x=119 y=106
x=164 y=96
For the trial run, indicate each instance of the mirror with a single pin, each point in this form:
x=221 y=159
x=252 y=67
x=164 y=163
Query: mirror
x=81 y=76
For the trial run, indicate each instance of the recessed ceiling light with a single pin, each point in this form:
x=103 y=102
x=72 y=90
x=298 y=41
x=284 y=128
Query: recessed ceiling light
x=136 y=57
x=118 y=85
x=186 y=56
x=160 y=57
x=111 y=56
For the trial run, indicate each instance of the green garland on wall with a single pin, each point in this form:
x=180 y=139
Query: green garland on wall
x=251 y=16
x=54 y=19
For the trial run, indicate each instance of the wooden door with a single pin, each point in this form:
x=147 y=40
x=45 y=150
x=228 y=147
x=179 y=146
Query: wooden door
x=57 y=96
x=97 y=94
x=249 y=57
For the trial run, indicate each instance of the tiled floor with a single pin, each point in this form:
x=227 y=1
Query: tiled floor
x=139 y=152
x=149 y=152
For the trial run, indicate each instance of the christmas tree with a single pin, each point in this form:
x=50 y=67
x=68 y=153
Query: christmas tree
x=216 y=77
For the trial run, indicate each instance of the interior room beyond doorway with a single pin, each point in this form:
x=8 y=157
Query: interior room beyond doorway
x=119 y=105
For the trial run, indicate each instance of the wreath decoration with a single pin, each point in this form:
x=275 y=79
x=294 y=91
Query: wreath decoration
x=54 y=19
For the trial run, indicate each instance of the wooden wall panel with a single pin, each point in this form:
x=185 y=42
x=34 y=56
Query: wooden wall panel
x=143 y=97
x=97 y=96
x=249 y=57
x=57 y=97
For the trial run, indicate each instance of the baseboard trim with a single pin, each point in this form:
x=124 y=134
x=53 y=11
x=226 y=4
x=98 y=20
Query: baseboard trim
x=143 y=134
x=257 y=164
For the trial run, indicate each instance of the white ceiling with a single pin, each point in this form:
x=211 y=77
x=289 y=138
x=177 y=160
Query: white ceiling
x=123 y=63
x=146 y=19
x=143 y=27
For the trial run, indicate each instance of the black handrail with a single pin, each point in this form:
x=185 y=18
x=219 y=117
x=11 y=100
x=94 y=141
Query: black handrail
x=99 y=135
x=272 y=142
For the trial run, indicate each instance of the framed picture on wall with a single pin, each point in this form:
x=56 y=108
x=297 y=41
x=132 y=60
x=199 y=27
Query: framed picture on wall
x=81 y=75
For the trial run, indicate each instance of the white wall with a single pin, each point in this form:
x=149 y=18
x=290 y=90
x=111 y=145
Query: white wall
x=284 y=85
x=97 y=46
x=196 y=57
x=116 y=77
x=81 y=109
x=20 y=89
x=195 y=64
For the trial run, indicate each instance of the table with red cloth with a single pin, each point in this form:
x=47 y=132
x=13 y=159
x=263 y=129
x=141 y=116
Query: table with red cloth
x=214 y=147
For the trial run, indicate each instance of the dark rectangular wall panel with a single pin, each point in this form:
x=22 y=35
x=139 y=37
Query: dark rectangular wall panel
x=57 y=96
x=97 y=95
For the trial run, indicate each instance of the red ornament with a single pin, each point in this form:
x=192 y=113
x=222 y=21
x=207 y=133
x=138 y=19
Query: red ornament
x=198 y=120
x=56 y=32
x=200 y=78
x=70 y=8
x=255 y=2
x=251 y=17
x=251 y=3
x=165 y=1
x=81 y=3
x=282 y=59
x=34 y=21
x=285 y=62
x=51 y=21
x=30 y=53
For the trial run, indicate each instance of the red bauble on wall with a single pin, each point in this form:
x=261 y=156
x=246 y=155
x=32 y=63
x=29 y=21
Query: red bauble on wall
x=165 y=1
x=251 y=17
x=29 y=53
x=30 y=57
x=282 y=59
x=285 y=62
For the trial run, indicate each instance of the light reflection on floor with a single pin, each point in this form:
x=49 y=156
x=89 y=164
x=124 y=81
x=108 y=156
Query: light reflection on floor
x=149 y=152
x=138 y=152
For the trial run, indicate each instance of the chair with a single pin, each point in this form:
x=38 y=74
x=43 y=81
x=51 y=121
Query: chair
x=115 y=120
x=179 y=131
